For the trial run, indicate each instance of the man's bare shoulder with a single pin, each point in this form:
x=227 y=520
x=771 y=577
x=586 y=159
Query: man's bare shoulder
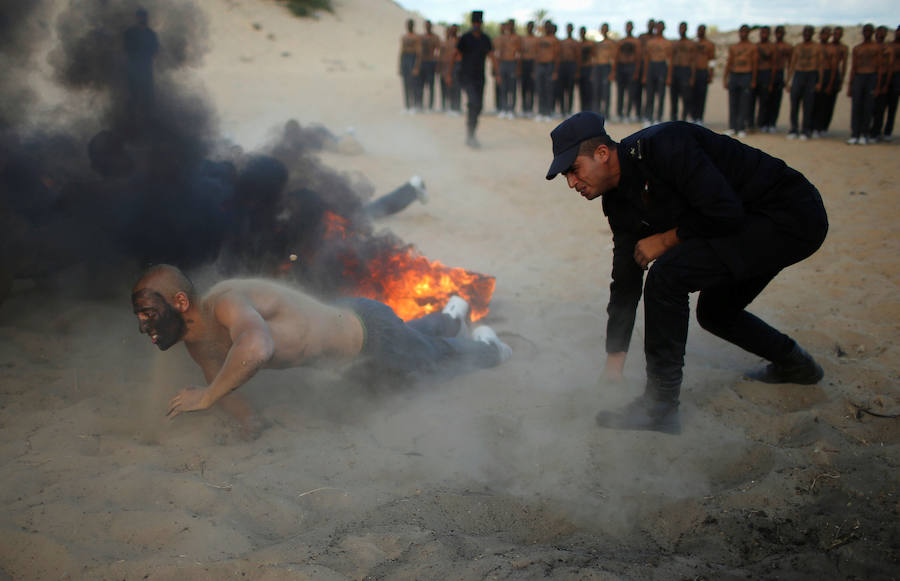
x=262 y=294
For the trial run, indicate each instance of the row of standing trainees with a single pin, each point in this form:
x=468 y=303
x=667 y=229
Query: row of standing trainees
x=816 y=71
x=546 y=73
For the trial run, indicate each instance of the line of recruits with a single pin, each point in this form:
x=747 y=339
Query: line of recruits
x=547 y=72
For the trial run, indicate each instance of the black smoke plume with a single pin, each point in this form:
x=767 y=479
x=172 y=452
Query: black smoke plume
x=140 y=175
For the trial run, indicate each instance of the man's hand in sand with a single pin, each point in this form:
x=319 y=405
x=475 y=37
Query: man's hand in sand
x=189 y=399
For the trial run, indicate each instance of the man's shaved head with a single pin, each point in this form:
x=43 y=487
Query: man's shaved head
x=166 y=280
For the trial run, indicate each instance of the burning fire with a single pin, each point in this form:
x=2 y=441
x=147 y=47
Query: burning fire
x=408 y=282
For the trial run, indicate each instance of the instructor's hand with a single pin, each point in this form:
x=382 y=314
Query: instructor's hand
x=652 y=247
x=189 y=399
x=615 y=366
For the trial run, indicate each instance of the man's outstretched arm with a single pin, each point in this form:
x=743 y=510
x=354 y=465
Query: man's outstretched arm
x=252 y=347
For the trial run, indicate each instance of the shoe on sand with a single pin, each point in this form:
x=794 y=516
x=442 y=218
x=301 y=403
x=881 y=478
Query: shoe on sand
x=419 y=185
x=458 y=308
x=487 y=335
x=798 y=367
x=643 y=414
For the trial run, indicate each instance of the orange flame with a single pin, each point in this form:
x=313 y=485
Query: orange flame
x=410 y=283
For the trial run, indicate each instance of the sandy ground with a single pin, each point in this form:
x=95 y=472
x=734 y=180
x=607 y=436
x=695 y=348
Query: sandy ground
x=500 y=474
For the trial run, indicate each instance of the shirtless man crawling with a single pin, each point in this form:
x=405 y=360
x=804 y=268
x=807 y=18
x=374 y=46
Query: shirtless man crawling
x=243 y=325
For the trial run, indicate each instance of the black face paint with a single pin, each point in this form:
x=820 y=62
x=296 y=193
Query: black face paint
x=162 y=322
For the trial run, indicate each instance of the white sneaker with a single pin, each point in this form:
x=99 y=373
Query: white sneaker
x=741 y=134
x=864 y=141
x=803 y=137
x=458 y=308
x=792 y=136
x=729 y=132
x=487 y=335
x=419 y=185
x=853 y=141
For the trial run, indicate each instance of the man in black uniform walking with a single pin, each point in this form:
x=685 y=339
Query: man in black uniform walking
x=474 y=46
x=712 y=215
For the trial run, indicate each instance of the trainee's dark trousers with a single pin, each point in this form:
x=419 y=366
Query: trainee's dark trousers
x=451 y=94
x=821 y=103
x=586 y=88
x=508 y=86
x=862 y=98
x=527 y=82
x=698 y=98
x=655 y=91
x=427 y=345
x=640 y=90
x=803 y=92
x=602 y=89
x=544 y=87
x=763 y=97
x=627 y=100
x=566 y=86
x=893 y=98
x=392 y=202
x=777 y=94
x=475 y=100
x=878 y=112
x=426 y=81
x=410 y=81
x=739 y=97
x=680 y=91
x=766 y=247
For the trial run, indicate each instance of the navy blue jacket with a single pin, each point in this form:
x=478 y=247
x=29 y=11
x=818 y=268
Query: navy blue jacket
x=706 y=185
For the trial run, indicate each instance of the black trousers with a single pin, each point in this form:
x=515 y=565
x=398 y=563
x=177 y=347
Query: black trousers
x=739 y=100
x=527 y=86
x=426 y=81
x=544 y=86
x=655 y=91
x=680 y=91
x=392 y=202
x=695 y=265
x=410 y=81
x=474 y=102
x=507 y=86
x=862 y=95
x=586 y=88
x=566 y=86
x=451 y=94
x=698 y=98
x=602 y=89
x=777 y=93
x=803 y=93
x=763 y=97
x=628 y=101
x=823 y=103
x=893 y=97
x=422 y=346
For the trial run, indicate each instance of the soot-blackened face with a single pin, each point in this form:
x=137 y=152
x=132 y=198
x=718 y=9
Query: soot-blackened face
x=158 y=319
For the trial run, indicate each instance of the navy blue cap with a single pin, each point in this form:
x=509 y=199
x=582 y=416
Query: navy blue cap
x=567 y=137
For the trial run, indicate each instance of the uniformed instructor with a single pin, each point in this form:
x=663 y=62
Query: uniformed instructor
x=473 y=47
x=698 y=211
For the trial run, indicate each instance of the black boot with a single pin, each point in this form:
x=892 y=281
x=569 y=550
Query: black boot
x=797 y=367
x=644 y=413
